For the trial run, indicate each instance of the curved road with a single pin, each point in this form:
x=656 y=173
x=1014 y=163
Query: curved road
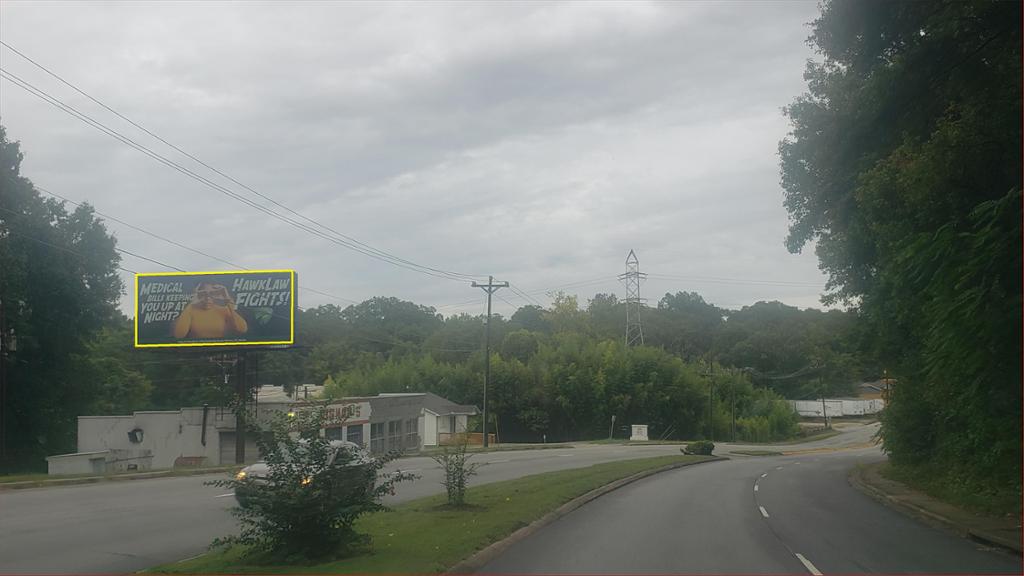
x=786 y=514
x=115 y=527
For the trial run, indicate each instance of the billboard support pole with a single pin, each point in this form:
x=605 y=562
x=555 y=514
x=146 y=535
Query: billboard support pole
x=241 y=394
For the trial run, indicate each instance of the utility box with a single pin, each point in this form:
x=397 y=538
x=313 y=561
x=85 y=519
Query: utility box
x=639 y=433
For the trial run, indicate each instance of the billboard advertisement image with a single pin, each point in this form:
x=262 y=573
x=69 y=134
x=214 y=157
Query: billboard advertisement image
x=182 y=309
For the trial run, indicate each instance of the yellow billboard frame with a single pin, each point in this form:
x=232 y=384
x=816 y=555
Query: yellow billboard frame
x=291 y=315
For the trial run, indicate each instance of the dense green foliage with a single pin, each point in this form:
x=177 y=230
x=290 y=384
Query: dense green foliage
x=306 y=504
x=904 y=167
x=58 y=287
x=700 y=448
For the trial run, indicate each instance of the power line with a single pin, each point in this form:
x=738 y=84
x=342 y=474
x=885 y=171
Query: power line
x=183 y=246
x=41 y=94
x=65 y=249
x=524 y=295
x=224 y=175
x=142 y=230
x=741 y=281
x=393 y=342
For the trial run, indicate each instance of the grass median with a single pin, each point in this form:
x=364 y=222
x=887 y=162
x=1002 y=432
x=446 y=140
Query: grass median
x=425 y=536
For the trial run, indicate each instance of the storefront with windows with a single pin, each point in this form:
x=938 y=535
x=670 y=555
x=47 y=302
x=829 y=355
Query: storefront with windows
x=205 y=436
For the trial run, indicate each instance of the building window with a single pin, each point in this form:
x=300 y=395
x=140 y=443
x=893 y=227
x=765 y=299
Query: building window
x=395 y=435
x=334 y=433
x=377 y=437
x=355 y=434
x=412 y=440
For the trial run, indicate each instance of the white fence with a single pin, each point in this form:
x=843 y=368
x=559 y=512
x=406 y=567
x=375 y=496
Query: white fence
x=837 y=407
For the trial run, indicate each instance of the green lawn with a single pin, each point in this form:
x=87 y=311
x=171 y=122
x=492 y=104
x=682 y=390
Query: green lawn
x=494 y=448
x=421 y=536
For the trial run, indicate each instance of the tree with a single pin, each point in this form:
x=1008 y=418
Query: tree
x=565 y=315
x=530 y=318
x=684 y=324
x=58 y=287
x=904 y=167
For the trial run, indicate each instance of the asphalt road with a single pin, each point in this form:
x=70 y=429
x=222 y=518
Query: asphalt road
x=130 y=525
x=125 y=526
x=788 y=514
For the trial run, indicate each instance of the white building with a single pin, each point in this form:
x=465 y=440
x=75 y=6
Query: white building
x=833 y=407
x=205 y=436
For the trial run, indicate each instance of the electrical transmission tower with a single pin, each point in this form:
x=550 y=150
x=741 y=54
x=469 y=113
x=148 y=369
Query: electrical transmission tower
x=632 y=279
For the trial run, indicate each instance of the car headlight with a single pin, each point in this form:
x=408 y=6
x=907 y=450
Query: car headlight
x=307 y=480
x=241 y=475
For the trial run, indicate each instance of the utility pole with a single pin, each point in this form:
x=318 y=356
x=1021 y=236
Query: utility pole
x=711 y=404
x=711 y=399
x=5 y=345
x=824 y=410
x=734 y=414
x=491 y=287
x=632 y=278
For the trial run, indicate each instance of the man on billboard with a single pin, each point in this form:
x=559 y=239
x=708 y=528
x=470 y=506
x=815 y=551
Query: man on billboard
x=210 y=314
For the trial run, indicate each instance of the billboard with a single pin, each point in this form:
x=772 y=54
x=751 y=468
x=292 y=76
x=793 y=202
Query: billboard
x=247 y=308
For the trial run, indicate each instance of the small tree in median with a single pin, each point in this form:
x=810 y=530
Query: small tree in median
x=457 y=470
x=304 y=503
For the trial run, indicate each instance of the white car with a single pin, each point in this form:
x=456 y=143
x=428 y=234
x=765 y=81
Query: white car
x=256 y=475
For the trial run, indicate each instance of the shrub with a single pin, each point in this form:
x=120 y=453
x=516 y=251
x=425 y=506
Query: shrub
x=456 y=471
x=701 y=447
x=305 y=505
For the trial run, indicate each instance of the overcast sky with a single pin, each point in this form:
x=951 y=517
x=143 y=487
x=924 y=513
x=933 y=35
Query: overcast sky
x=536 y=142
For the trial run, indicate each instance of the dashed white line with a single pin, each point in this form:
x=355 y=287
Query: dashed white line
x=807 y=564
x=564 y=455
x=778 y=467
x=763 y=511
x=763 y=475
x=755 y=487
x=225 y=495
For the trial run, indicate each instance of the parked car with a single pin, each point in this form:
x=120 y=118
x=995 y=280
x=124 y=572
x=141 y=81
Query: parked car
x=346 y=465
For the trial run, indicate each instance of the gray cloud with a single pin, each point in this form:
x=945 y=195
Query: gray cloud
x=536 y=142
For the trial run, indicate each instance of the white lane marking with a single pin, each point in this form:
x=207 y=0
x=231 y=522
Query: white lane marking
x=763 y=475
x=225 y=495
x=807 y=564
x=755 y=487
x=763 y=511
x=564 y=455
x=499 y=461
x=778 y=467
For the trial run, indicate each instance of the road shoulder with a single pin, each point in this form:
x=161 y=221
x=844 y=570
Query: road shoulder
x=1004 y=533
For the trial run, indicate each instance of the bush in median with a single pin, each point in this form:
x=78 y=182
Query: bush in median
x=701 y=448
x=303 y=506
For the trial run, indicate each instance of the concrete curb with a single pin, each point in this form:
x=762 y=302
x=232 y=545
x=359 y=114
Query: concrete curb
x=856 y=479
x=481 y=558
x=112 y=478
